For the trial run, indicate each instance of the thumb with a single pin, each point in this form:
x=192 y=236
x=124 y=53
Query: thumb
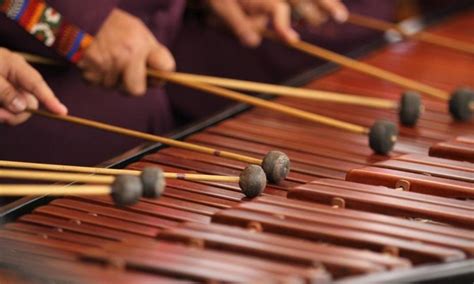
x=10 y=99
x=15 y=119
x=28 y=79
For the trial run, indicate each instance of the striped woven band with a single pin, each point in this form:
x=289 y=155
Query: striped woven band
x=48 y=26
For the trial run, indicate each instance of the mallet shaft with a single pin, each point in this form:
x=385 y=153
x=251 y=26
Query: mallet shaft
x=57 y=190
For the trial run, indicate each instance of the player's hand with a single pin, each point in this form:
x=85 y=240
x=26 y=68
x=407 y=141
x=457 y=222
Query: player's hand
x=22 y=87
x=316 y=12
x=121 y=52
x=247 y=18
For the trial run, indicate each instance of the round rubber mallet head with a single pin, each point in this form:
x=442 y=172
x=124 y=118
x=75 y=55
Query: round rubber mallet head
x=126 y=190
x=252 y=181
x=410 y=108
x=276 y=166
x=382 y=137
x=153 y=181
x=461 y=104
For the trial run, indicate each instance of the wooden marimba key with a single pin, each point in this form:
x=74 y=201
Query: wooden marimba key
x=387 y=201
x=461 y=148
x=423 y=174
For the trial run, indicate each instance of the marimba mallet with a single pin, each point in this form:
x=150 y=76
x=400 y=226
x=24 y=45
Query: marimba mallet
x=152 y=179
x=124 y=190
x=275 y=164
x=459 y=101
x=252 y=180
x=382 y=135
x=409 y=108
x=381 y=25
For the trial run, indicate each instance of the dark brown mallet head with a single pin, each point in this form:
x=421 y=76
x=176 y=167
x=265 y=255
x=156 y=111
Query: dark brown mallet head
x=460 y=104
x=126 y=190
x=252 y=181
x=410 y=108
x=382 y=137
x=276 y=166
x=153 y=181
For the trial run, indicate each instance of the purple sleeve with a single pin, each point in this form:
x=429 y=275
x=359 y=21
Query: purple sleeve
x=86 y=14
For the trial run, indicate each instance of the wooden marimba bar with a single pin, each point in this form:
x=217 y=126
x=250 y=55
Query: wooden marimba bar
x=342 y=214
x=460 y=148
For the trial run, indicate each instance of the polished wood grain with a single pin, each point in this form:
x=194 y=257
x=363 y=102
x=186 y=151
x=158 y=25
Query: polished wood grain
x=461 y=148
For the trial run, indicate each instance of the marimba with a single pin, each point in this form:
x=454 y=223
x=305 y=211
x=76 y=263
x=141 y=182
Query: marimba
x=343 y=214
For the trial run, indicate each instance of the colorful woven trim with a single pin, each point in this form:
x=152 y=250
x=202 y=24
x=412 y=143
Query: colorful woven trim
x=48 y=26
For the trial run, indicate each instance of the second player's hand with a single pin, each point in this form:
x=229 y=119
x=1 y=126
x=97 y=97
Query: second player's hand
x=316 y=12
x=247 y=18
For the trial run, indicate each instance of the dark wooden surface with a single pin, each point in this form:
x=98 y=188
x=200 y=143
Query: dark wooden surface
x=204 y=231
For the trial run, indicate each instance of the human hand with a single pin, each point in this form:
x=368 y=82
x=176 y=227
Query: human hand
x=22 y=87
x=316 y=12
x=121 y=51
x=247 y=18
